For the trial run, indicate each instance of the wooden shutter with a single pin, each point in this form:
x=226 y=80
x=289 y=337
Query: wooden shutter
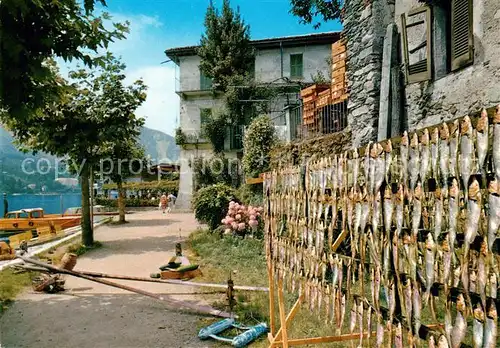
x=462 y=39
x=296 y=68
x=417 y=69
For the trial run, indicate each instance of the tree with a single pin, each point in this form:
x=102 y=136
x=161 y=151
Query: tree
x=260 y=137
x=225 y=48
x=34 y=31
x=96 y=110
x=123 y=158
x=308 y=10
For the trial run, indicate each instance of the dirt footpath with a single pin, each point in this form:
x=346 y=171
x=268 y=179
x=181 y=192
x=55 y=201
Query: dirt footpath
x=95 y=315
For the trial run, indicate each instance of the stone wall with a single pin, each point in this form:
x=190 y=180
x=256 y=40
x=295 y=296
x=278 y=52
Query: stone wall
x=466 y=90
x=364 y=30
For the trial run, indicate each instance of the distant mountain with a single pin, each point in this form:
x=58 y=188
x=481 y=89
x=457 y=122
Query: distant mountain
x=160 y=146
x=18 y=169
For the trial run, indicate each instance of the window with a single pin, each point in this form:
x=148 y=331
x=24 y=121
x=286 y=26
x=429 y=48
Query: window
x=416 y=30
x=462 y=44
x=296 y=67
x=205 y=115
x=205 y=82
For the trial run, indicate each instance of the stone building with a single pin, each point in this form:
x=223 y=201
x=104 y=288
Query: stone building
x=282 y=61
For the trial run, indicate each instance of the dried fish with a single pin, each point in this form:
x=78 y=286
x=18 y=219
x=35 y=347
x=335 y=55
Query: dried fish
x=388 y=210
x=417 y=210
x=367 y=165
x=444 y=152
x=432 y=342
x=490 y=328
x=386 y=264
x=448 y=324
x=380 y=332
x=466 y=151
x=493 y=285
x=388 y=159
x=369 y=322
x=443 y=342
x=352 y=322
x=407 y=291
x=453 y=214
x=376 y=213
x=355 y=167
x=360 y=320
x=482 y=272
x=434 y=151
x=350 y=202
x=494 y=212
x=425 y=154
x=326 y=298
x=321 y=290
x=392 y=300
x=340 y=172
x=399 y=201
x=429 y=266
x=473 y=214
x=414 y=161
x=342 y=312
x=404 y=151
x=453 y=148
x=496 y=143
x=365 y=211
x=473 y=281
x=438 y=213
x=460 y=327
x=417 y=307
x=333 y=301
x=482 y=139
x=398 y=340
x=446 y=264
x=377 y=167
x=478 y=327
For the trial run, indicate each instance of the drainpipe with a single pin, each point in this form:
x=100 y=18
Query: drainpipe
x=281 y=54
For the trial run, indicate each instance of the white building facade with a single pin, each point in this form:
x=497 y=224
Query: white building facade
x=284 y=61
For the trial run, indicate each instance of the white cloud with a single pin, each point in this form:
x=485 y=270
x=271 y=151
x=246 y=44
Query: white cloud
x=138 y=31
x=161 y=108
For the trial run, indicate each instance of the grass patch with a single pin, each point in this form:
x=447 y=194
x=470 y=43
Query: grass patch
x=11 y=285
x=80 y=249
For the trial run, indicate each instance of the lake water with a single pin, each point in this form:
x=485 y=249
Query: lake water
x=51 y=204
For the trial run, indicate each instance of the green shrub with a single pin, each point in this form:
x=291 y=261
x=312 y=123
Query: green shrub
x=251 y=194
x=260 y=137
x=211 y=204
x=215 y=170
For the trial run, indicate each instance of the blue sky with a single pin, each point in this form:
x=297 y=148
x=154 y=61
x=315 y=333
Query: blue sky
x=156 y=25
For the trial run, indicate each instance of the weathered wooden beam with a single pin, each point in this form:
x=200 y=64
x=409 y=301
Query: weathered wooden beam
x=174 y=303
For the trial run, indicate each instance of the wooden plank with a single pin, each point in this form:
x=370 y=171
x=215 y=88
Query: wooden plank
x=338 y=65
x=338 y=87
x=251 y=181
x=339 y=240
x=281 y=304
x=272 y=325
x=338 y=57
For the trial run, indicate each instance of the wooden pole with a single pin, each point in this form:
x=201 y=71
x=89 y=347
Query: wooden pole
x=289 y=318
x=272 y=325
x=165 y=281
x=174 y=303
x=281 y=303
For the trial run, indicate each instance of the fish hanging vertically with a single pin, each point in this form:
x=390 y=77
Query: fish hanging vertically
x=342 y=312
x=388 y=211
x=473 y=214
x=404 y=154
x=496 y=143
x=482 y=272
x=326 y=299
x=425 y=154
x=453 y=209
x=408 y=303
x=388 y=160
x=355 y=167
x=444 y=153
x=494 y=212
x=482 y=139
x=398 y=336
x=340 y=172
x=414 y=161
x=434 y=152
x=493 y=285
x=367 y=165
x=438 y=213
x=432 y=342
x=442 y=342
x=429 y=266
x=466 y=152
x=378 y=162
x=417 y=210
x=360 y=321
x=353 y=317
x=376 y=213
x=478 y=327
x=417 y=307
x=491 y=327
x=446 y=264
x=380 y=332
x=460 y=327
x=454 y=144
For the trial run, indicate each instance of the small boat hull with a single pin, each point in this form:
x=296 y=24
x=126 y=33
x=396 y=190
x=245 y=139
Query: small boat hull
x=24 y=224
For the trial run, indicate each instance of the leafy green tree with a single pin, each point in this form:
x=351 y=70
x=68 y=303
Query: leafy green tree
x=97 y=109
x=260 y=137
x=34 y=31
x=225 y=48
x=122 y=159
x=309 y=10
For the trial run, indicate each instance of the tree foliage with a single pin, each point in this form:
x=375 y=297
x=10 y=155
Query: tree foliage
x=309 y=10
x=260 y=137
x=225 y=48
x=34 y=31
x=215 y=130
x=95 y=112
x=216 y=169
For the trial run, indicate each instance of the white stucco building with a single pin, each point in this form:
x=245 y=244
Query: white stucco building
x=291 y=60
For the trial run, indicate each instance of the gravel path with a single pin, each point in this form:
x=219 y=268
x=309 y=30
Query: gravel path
x=95 y=315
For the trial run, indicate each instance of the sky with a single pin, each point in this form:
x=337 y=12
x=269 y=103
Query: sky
x=156 y=25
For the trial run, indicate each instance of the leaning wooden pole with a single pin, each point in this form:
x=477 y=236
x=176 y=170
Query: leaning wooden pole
x=165 y=281
x=175 y=303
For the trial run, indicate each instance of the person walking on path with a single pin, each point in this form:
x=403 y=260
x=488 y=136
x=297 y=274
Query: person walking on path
x=163 y=202
x=171 y=202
